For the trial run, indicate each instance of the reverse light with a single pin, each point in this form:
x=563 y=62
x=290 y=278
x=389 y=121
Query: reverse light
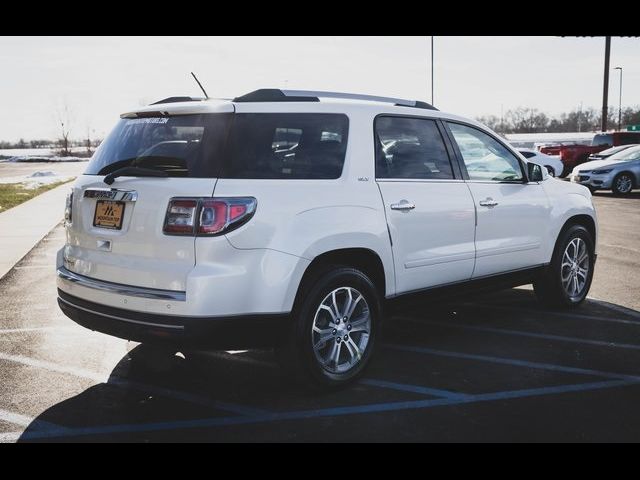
x=207 y=216
x=68 y=208
x=181 y=216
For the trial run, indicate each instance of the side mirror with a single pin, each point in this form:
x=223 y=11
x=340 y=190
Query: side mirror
x=535 y=172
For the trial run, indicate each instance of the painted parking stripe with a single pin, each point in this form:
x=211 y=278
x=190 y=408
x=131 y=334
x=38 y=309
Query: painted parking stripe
x=326 y=412
x=32 y=362
x=125 y=383
x=617 y=308
x=513 y=362
x=577 y=316
x=185 y=397
x=435 y=392
x=30 y=329
x=10 y=437
x=25 y=421
x=519 y=333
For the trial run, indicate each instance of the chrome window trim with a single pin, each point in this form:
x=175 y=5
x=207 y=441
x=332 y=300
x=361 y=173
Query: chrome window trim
x=120 y=289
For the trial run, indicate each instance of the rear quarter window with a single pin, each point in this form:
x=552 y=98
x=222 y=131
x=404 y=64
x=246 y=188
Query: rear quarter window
x=286 y=146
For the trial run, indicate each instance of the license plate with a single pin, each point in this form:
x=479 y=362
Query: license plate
x=108 y=214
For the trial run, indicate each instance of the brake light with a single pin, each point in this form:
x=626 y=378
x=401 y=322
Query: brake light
x=207 y=216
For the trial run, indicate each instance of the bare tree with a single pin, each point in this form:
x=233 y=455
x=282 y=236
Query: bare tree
x=64 y=121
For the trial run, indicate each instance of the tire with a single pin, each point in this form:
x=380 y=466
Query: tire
x=622 y=184
x=314 y=323
x=550 y=288
x=550 y=170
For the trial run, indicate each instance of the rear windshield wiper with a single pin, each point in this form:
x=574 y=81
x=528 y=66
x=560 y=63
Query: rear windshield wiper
x=134 y=172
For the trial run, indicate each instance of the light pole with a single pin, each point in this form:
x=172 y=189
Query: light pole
x=620 y=101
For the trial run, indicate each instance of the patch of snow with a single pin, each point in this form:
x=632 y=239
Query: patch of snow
x=43 y=173
x=36 y=179
x=47 y=159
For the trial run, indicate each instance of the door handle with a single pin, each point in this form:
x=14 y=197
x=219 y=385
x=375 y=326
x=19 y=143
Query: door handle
x=488 y=202
x=403 y=205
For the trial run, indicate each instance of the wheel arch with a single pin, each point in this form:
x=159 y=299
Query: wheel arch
x=587 y=221
x=364 y=259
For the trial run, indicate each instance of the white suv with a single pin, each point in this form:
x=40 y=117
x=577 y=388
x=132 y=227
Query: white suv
x=294 y=218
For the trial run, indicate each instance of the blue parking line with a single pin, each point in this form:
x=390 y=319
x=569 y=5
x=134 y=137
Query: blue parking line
x=435 y=392
x=186 y=397
x=520 y=333
x=326 y=412
x=513 y=362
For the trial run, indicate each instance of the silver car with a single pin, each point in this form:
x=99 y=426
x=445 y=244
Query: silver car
x=619 y=173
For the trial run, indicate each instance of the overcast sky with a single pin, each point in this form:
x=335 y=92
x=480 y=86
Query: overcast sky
x=100 y=77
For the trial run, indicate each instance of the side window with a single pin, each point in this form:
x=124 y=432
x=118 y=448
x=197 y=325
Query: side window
x=526 y=154
x=286 y=146
x=410 y=148
x=485 y=158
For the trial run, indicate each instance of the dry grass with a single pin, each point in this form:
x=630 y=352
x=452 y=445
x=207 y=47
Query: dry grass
x=12 y=194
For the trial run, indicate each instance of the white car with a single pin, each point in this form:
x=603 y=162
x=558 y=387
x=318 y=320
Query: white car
x=552 y=163
x=194 y=227
x=619 y=173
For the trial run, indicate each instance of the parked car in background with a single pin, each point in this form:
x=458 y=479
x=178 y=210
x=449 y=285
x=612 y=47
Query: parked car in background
x=619 y=173
x=610 y=151
x=190 y=229
x=551 y=162
x=572 y=155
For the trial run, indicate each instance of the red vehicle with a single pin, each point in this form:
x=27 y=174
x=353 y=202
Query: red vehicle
x=572 y=155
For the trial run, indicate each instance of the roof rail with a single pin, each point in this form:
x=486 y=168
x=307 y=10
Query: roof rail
x=277 y=95
x=177 y=99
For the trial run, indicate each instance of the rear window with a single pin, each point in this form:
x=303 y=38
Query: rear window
x=243 y=145
x=182 y=145
x=602 y=139
x=286 y=145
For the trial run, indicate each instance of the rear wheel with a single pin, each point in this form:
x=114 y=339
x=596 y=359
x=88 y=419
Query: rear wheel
x=567 y=279
x=622 y=184
x=333 y=333
x=550 y=170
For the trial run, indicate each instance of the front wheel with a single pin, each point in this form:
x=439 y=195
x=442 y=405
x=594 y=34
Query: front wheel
x=567 y=279
x=334 y=329
x=550 y=170
x=622 y=184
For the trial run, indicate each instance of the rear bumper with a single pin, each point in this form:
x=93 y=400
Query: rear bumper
x=246 y=331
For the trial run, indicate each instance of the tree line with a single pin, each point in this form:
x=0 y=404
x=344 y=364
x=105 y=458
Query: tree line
x=532 y=120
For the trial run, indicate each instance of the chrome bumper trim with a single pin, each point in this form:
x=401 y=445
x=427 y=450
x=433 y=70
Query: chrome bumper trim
x=129 y=290
x=122 y=319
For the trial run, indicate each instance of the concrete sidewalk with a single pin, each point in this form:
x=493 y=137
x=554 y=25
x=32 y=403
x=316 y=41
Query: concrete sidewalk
x=23 y=226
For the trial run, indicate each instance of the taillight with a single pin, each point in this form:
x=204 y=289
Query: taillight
x=207 y=216
x=68 y=208
x=181 y=217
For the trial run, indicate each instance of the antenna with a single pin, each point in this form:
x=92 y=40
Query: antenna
x=200 y=85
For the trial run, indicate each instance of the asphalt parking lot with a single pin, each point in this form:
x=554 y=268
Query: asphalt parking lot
x=496 y=367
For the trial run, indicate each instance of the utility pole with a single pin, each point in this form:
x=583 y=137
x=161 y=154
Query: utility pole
x=620 y=101
x=605 y=89
x=580 y=117
x=431 y=69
